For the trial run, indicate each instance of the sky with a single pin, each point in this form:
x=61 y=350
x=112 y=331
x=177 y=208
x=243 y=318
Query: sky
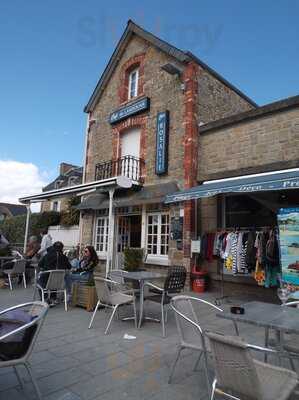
x=52 y=54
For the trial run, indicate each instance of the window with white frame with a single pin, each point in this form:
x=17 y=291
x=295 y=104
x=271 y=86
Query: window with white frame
x=133 y=83
x=55 y=205
x=157 y=234
x=101 y=235
x=58 y=183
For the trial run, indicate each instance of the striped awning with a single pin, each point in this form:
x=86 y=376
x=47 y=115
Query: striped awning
x=267 y=181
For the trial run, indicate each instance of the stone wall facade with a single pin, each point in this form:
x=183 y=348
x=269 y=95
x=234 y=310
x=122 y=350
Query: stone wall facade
x=164 y=92
x=266 y=143
x=216 y=100
x=184 y=98
x=251 y=144
x=47 y=205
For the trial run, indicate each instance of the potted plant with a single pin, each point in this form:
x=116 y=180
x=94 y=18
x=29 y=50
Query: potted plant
x=133 y=261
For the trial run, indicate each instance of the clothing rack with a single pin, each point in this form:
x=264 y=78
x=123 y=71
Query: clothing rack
x=222 y=296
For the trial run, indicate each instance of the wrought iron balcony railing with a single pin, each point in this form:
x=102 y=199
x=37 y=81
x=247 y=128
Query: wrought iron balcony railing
x=128 y=166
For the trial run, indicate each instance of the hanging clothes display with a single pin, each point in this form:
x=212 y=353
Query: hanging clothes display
x=246 y=252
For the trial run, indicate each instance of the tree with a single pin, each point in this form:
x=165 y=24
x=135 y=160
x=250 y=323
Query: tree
x=71 y=215
x=13 y=228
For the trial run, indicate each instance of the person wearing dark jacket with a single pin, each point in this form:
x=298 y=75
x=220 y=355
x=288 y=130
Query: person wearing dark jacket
x=54 y=259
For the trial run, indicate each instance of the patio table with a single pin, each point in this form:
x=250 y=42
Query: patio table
x=268 y=316
x=141 y=277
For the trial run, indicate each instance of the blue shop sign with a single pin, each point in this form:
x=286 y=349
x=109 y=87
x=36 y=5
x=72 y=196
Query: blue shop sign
x=131 y=109
x=162 y=142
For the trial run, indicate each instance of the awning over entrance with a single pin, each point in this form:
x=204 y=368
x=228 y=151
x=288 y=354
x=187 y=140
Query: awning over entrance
x=146 y=195
x=78 y=190
x=268 y=181
x=106 y=185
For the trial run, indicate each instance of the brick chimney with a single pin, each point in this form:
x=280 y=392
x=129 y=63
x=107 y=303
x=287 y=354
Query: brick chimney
x=64 y=168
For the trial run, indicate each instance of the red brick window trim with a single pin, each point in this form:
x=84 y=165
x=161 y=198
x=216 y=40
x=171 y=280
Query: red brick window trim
x=124 y=126
x=135 y=63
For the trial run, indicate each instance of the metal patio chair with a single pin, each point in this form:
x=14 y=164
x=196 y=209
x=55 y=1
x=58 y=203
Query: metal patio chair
x=18 y=269
x=55 y=284
x=191 y=331
x=110 y=295
x=174 y=283
x=113 y=275
x=20 y=326
x=239 y=375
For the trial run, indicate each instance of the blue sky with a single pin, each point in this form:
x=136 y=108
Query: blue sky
x=52 y=54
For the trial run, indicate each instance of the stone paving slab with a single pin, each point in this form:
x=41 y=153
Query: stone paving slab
x=72 y=362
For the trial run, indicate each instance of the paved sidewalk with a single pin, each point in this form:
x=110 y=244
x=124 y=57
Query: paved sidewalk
x=72 y=362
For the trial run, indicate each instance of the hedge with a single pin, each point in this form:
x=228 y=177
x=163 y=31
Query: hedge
x=13 y=228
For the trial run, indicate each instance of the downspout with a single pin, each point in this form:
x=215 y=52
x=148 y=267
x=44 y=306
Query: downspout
x=26 y=227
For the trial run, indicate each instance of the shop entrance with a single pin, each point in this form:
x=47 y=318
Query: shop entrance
x=128 y=234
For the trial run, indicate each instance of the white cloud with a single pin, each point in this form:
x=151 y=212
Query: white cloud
x=18 y=179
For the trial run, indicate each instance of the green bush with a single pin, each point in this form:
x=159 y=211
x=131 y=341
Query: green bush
x=71 y=215
x=133 y=259
x=13 y=228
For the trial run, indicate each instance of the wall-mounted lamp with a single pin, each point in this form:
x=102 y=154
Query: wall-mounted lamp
x=92 y=122
x=172 y=69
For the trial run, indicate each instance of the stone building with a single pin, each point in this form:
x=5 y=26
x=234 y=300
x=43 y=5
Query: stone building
x=248 y=169
x=146 y=84
x=69 y=175
x=193 y=152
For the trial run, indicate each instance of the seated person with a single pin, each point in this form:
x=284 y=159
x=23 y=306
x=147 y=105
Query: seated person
x=73 y=258
x=84 y=272
x=32 y=247
x=54 y=259
x=31 y=254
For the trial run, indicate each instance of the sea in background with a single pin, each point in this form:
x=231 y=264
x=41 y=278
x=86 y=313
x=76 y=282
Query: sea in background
x=288 y=223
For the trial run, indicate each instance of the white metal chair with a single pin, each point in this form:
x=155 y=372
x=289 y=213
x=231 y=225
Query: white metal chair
x=191 y=332
x=18 y=337
x=239 y=376
x=111 y=298
x=17 y=270
x=55 y=284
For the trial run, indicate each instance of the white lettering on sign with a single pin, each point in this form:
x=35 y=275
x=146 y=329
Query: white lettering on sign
x=161 y=146
x=129 y=110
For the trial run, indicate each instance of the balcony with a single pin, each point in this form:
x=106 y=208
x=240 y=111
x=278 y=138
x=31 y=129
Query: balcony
x=129 y=166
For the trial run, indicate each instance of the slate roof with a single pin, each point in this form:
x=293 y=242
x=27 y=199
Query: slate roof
x=180 y=55
x=76 y=172
x=13 y=209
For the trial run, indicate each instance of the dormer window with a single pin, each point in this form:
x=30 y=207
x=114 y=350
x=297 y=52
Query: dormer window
x=58 y=184
x=133 y=83
x=72 y=180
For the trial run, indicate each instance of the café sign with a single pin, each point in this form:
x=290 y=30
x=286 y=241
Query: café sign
x=130 y=109
x=162 y=142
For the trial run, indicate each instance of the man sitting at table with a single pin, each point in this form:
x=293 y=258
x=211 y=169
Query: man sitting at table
x=54 y=259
